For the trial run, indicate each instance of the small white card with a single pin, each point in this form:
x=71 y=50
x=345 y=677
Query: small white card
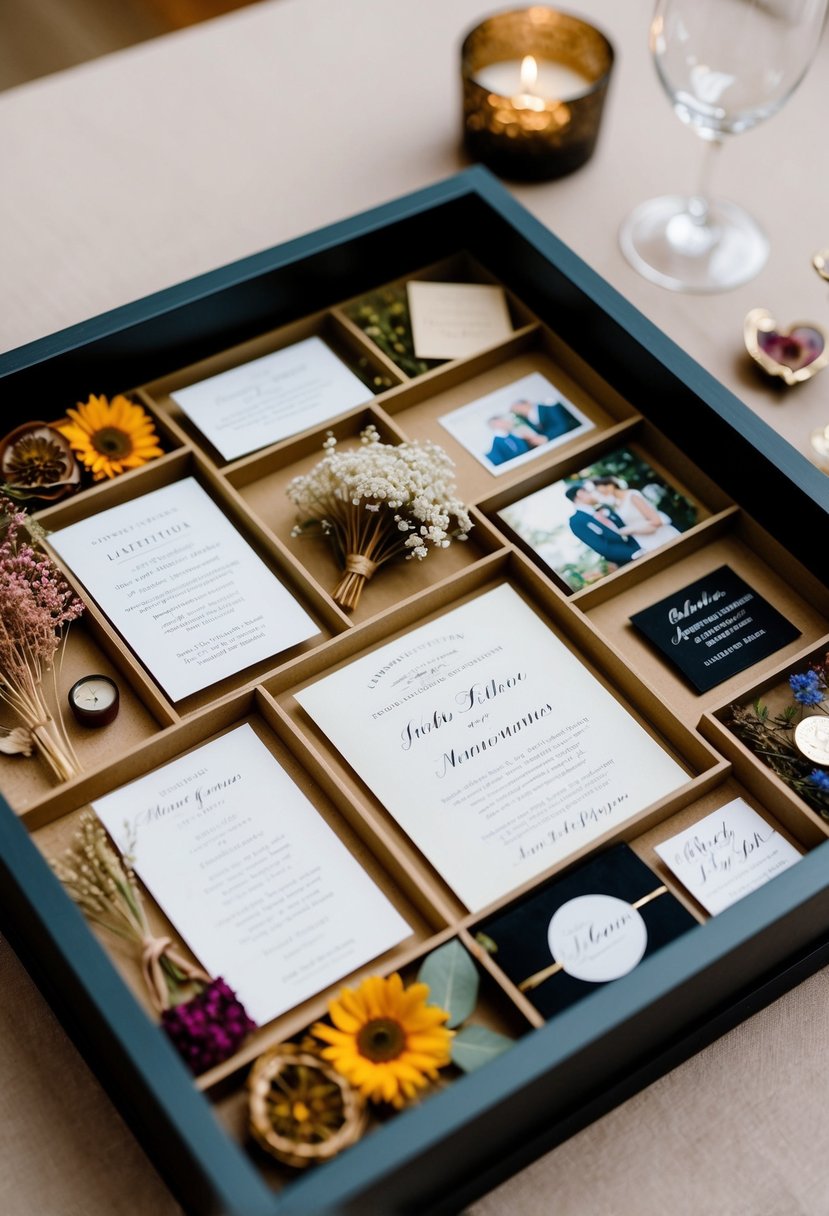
x=727 y=855
x=490 y=743
x=454 y=320
x=253 y=879
x=184 y=588
x=271 y=398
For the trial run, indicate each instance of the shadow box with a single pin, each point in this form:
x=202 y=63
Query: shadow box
x=725 y=493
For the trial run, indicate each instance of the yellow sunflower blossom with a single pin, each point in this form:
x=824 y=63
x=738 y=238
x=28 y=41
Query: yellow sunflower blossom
x=111 y=437
x=385 y=1039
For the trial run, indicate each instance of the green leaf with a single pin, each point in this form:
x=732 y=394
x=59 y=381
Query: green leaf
x=453 y=981
x=475 y=1045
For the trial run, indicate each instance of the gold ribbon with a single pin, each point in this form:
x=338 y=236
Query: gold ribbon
x=153 y=949
x=554 y=968
x=357 y=563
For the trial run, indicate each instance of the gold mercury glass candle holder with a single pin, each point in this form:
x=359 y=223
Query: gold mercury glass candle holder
x=534 y=86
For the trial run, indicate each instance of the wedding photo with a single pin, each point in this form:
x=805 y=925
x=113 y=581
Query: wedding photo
x=516 y=423
x=609 y=514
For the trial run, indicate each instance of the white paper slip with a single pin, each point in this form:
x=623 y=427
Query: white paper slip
x=271 y=398
x=727 y=855
x=185 y=589
x=253 y=879
x=489 y=742
x=453 y=320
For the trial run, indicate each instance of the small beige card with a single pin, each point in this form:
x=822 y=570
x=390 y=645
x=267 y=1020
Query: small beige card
x=453 y=320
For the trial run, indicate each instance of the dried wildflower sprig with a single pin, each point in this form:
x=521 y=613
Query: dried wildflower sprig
x=377 y=503
x=36 y=603
x=771 y=736
x=202 y=1016
x=384 y=317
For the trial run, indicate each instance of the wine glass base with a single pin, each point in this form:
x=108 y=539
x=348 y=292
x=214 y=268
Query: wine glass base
x=663 y=242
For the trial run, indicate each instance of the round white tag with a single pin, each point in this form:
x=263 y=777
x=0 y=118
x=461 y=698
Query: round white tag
x=597 y=937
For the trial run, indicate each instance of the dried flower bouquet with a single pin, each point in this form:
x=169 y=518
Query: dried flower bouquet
x=377 y=503
x=202 y=1017
x=36 y=603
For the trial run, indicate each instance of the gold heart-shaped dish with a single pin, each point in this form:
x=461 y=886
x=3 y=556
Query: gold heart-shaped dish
x=794 y=354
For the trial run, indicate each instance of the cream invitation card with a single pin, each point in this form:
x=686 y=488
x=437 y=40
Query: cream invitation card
x=454 y=320
x=184 y=588
x=253 y=879
x=490 y=743
x=271 y=398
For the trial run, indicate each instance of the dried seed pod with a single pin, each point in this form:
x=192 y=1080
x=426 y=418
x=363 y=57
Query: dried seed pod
x=301 y=1110
x=36 y=461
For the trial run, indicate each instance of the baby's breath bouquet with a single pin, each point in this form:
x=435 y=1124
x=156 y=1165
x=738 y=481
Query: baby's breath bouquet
x=379 y=502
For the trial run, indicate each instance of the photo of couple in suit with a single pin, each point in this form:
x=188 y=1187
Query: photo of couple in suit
x=516 y=423
x=604 y=517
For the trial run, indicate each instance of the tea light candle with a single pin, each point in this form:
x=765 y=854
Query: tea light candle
x=534 y=84
x=528 y=77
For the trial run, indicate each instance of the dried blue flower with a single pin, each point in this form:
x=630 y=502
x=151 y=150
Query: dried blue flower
x=808 y=687
x=820 y=779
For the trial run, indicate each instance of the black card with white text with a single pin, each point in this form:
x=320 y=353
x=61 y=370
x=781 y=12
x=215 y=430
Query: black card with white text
x=714 y=628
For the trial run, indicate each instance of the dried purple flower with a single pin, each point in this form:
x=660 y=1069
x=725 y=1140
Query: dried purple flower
x=209 y=1027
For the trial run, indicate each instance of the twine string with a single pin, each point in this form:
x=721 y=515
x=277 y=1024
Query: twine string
x=153 y=949
x=358 y=563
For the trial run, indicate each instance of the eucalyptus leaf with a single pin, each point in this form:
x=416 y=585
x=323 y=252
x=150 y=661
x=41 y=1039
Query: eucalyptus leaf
x=453 y=981
x=476 y=1045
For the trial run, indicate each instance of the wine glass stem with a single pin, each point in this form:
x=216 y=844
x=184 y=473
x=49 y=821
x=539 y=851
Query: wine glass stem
x=698 y=204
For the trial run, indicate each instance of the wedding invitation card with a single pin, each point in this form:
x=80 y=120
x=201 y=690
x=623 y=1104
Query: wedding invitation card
x=516 y=423
x=591 y=926
x=489 y=742
x=271 y=398
x=454 y=320
x=727 y=855
x=253 y=879
x=715 y=628
x=184 y=588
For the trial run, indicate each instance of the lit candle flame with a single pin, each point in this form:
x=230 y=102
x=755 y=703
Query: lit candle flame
x=529 y=73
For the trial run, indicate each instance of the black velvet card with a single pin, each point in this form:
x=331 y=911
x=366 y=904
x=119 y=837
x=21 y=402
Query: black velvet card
x=714 y=628
x=520 y=932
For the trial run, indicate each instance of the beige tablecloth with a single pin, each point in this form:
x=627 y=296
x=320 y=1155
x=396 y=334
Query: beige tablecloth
x=142 y=169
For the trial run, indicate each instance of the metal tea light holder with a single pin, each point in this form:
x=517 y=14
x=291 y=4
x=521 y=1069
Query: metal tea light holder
x=534 y=87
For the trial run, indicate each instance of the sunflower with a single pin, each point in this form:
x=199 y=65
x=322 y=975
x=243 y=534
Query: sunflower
x=385 y=1039
x=111 y=437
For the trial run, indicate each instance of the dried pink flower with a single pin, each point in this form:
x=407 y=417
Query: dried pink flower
x=36 y=603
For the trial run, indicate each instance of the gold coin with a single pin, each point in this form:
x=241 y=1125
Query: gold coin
x=812 y=738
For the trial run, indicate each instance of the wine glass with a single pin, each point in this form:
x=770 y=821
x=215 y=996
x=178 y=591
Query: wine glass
x=726 y=65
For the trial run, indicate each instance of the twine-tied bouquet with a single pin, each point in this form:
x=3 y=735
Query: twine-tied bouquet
x=377 y=503
x=204 y=1019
